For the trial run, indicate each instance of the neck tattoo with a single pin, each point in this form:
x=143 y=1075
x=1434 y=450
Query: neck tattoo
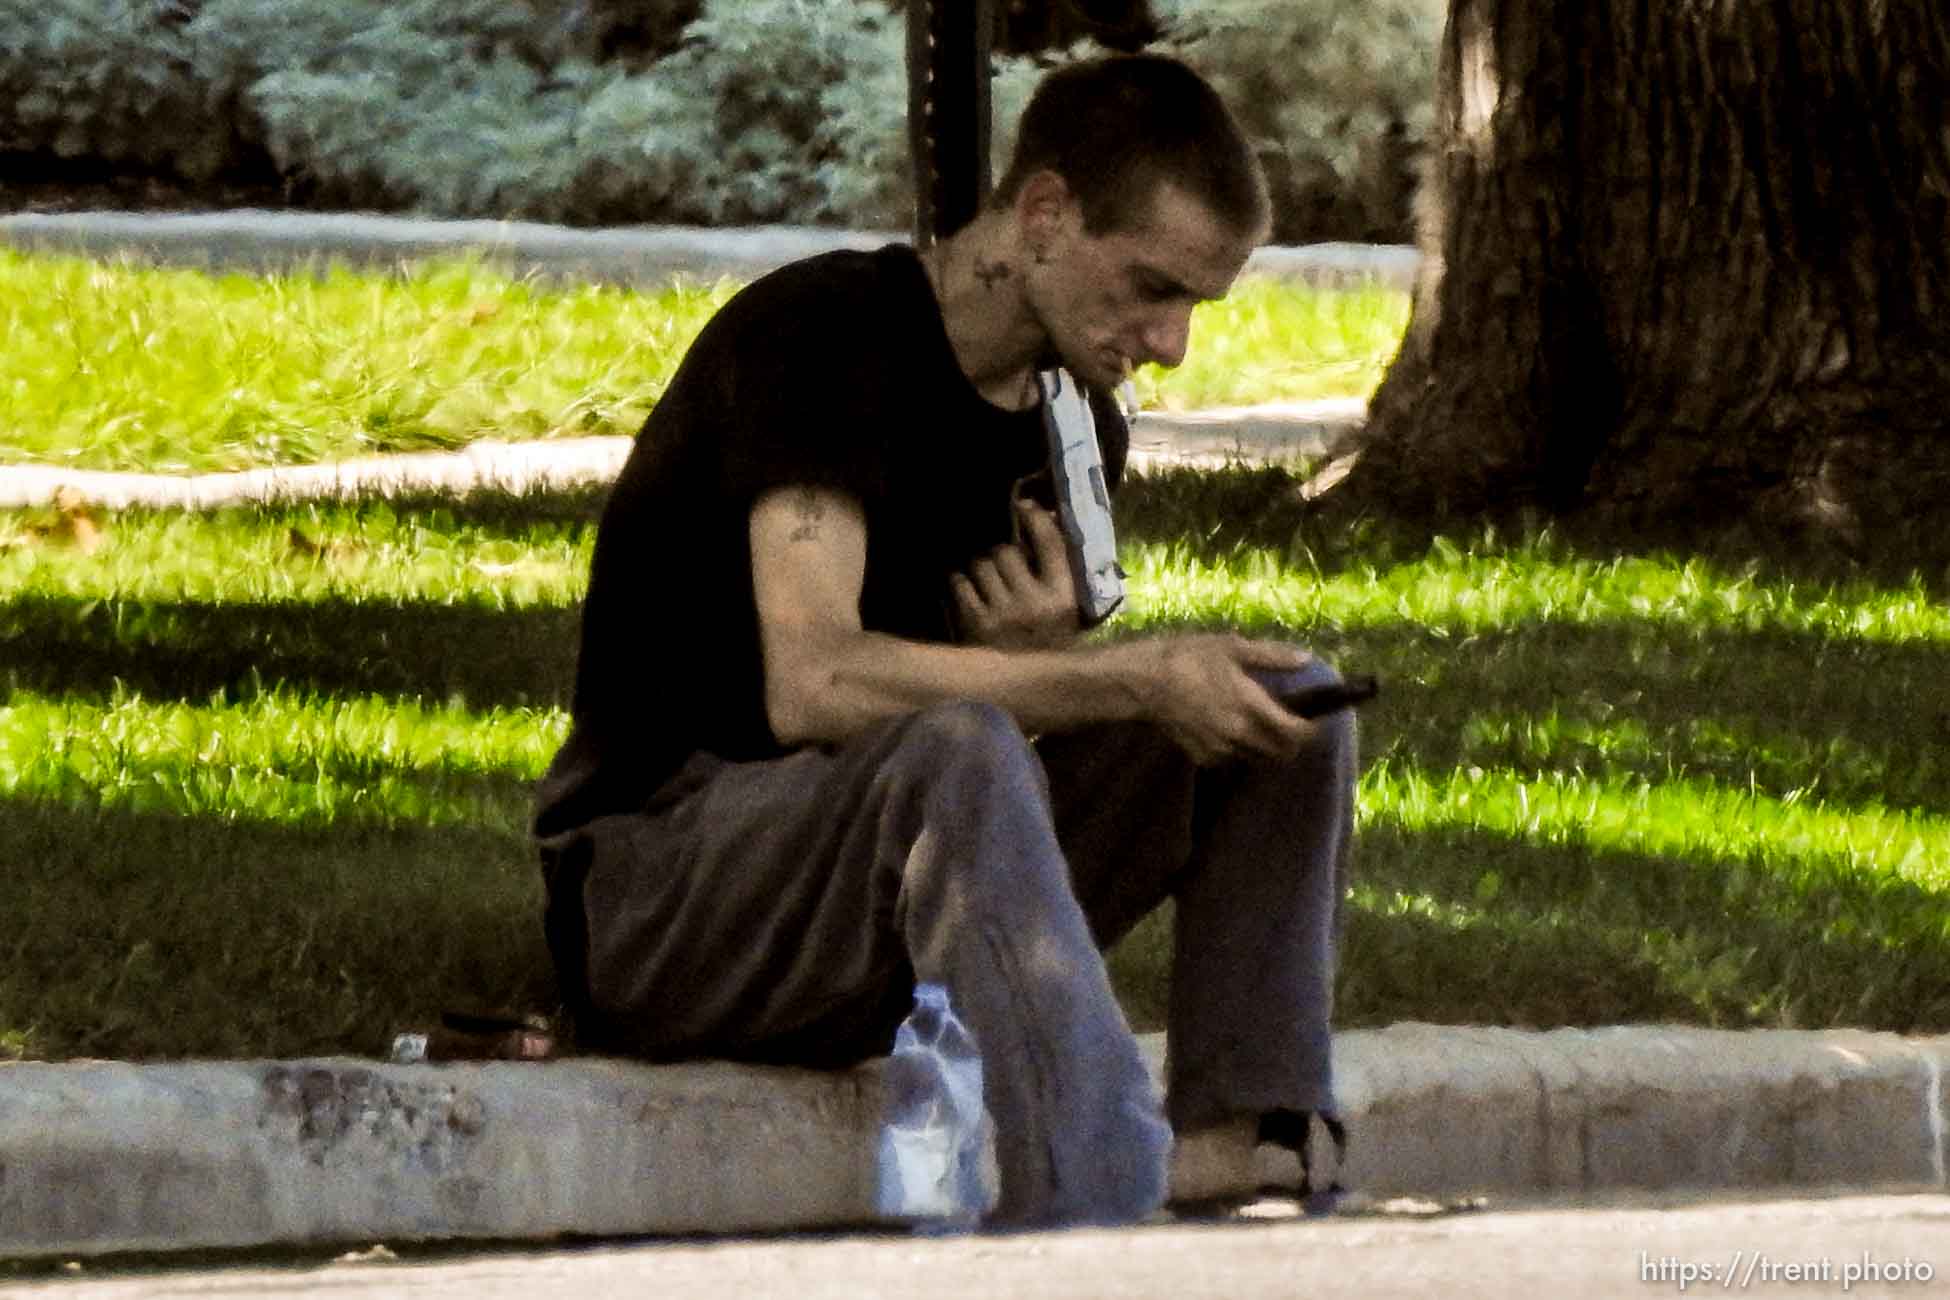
x=991 y=274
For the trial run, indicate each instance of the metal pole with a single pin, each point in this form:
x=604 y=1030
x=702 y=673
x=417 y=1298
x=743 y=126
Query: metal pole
x=948 y=47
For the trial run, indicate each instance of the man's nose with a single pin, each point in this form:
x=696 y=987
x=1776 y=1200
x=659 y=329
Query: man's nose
x=1166 y=336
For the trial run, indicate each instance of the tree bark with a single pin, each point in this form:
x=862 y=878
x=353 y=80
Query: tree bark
x=1685 y=259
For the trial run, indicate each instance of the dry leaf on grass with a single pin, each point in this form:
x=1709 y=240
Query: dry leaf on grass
x=71 y=522
x=332 y=548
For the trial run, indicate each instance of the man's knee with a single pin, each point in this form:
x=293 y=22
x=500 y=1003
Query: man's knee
x=973 y=777
x=967 y=742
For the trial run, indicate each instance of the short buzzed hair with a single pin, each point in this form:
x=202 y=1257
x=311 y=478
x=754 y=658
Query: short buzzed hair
x=1115 y=128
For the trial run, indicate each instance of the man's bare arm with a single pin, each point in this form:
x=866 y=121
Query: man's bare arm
x=826 y=678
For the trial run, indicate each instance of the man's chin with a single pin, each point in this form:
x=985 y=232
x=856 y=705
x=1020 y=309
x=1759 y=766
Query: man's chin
x=1099 y=367
x=1098 y=373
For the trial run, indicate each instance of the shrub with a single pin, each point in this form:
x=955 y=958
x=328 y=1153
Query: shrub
x=106 y=79
x=771 y=111
x=634 y=31
x=458 y=107
x=1337 y=95
x=238 y=41
x=765 y=110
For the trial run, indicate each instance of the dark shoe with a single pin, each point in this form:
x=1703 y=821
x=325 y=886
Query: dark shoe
x=1293 y=1129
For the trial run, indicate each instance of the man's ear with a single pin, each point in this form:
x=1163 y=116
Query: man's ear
x=1045 y=209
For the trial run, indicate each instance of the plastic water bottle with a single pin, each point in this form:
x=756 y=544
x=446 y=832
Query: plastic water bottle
x=937 y=1156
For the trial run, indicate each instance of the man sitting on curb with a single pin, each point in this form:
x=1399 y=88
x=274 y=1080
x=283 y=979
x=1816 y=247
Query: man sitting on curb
x=823 y=624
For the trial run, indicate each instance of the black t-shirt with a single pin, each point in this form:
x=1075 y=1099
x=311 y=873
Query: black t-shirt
x=837 y=372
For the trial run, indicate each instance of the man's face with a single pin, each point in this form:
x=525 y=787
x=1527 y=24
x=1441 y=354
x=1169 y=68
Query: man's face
x=1112 y=302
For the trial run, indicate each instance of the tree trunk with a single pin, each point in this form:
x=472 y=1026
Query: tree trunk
x=1684 y=259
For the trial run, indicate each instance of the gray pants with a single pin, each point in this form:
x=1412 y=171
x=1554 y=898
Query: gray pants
x=782 y=911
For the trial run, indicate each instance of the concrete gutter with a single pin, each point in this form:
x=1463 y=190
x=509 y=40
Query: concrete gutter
x=254 y=240
x=99 y=1158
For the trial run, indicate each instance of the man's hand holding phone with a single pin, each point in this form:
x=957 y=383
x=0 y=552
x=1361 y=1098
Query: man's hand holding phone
x=1225 y=697
x=1307 y=697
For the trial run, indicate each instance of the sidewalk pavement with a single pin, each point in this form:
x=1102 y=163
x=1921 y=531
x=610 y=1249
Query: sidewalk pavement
x=107 y=1157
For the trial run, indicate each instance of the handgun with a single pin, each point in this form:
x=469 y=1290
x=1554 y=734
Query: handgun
x=1082 y=498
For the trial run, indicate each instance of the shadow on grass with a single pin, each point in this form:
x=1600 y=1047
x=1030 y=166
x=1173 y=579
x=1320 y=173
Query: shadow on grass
x=80 y=647
x=1767 y=708
x=1848 y=719
x=515 y=515
x=1211 y=511
x=1568 y=933
x=1784 y=713
x=1571 y=935
x=148 y=935
x=1216 y=511
x=1852 y=723
x=1763 y=705
x=327 y=786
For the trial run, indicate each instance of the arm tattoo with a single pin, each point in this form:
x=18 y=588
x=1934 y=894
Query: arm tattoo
x=991 y=274
x=810 y=512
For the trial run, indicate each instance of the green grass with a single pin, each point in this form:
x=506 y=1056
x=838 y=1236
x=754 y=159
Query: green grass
x=265 y=771
x=372 y=551
x=279 y=757
x=119 y=366
x=274 y=873
x=1270 y=341
x=265 y=798
x=1602 y=783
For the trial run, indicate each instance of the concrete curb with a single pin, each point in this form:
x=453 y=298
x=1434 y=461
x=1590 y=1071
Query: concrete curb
x=98 y=1158
x=1456 y=1110
x=107 y=1157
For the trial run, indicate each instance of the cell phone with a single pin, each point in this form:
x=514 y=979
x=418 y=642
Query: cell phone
x=1328 y=697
